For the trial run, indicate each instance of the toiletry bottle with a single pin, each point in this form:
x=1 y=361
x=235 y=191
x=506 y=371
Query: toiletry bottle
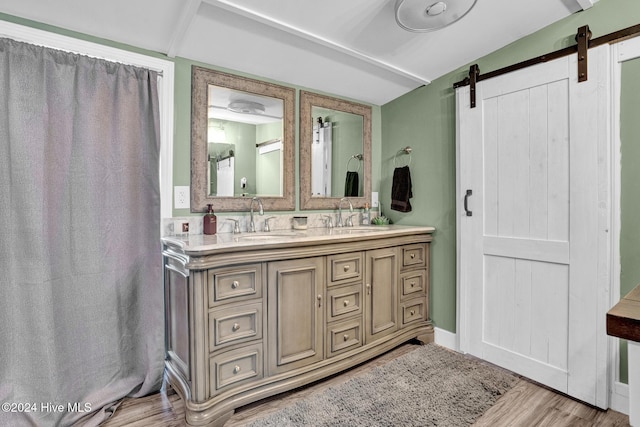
x=366 y=215
x=210 y=221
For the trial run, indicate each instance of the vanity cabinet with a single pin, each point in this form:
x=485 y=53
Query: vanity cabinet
x=295 y=313
x=246 y=320
x=381 y=289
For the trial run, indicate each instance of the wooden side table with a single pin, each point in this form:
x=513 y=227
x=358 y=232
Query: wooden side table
x=623 y=321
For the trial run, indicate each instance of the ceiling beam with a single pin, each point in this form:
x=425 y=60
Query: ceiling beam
x=184 y=22
x=586 y=4
x=298 y=32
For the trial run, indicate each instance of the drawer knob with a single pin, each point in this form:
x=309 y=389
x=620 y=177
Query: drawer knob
x=236 y=369
x=235 y=284
x=413 y=256
x=412 y=312
x=413 y=284
x=236 y=327
x=346 y=337
x=346 y=302
x=347 y=267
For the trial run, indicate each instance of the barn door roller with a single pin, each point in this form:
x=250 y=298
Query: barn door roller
x=582 y=38
x=474 y=72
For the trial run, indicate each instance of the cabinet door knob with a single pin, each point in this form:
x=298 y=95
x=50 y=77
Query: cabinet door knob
x=347 y=267
x=346 y=302
x=346 y=337
x=319 y=300
x=236 y=369
x=235 y=284
x=368 y=286
x=236 y=327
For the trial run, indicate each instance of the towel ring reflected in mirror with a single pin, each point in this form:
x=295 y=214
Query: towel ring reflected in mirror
x=404 y=151
x=358 y=158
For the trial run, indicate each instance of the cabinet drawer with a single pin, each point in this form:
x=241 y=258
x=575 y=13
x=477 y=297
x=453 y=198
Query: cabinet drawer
x=344 y=336
x=344 y=301
x=235 y=283
x=414 y=256
x=235 y=324
x=413 y=284
x=236 y=367
x=345 y=267
x=414 y=310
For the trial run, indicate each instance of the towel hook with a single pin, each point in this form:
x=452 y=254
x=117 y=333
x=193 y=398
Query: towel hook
x=404 y=151
x=359 y=158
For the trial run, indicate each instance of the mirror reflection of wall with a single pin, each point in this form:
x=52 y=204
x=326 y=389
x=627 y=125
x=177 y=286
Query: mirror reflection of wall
x=246 y=123
x=258 y=119
x=350 y=149
x=269 y=160
x=336 y=164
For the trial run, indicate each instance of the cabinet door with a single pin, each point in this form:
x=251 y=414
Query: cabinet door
x=295 y=313
x=381 y=285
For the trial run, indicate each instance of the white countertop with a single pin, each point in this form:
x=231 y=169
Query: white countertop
x=199 y=244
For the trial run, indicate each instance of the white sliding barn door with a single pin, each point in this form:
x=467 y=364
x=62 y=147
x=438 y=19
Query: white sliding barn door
x=533 y=265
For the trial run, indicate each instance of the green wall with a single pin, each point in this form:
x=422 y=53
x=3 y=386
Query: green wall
x=425 y=120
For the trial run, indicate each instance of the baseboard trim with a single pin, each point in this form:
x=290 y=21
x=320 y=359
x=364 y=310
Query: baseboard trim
x=620 y=398
x=446 y=339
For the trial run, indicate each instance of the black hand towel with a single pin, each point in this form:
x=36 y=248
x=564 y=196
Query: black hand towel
x=401 y=190
x=351 y=184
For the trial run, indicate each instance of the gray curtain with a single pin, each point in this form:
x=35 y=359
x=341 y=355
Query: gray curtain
x=81 y=318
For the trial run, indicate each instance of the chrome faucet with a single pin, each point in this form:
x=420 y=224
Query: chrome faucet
x=344 y=199
x=236 y=226
x=266 y=223
x=349 y=221
x=328 y=221
x=252 y=225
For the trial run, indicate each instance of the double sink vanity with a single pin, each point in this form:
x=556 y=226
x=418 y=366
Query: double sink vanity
x=252 y=315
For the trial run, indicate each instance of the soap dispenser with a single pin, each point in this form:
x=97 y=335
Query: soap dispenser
x=210 y=221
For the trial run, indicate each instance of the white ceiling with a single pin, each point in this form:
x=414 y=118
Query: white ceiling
x=352 y=48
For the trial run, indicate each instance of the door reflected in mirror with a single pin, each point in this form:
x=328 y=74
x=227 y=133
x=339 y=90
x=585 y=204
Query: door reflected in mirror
x=244 y=139
x=337 y=153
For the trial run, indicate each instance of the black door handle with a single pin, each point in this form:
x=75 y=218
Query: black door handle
x=466 y=197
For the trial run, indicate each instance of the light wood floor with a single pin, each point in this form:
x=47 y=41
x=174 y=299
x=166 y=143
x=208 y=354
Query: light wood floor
x=526 y=404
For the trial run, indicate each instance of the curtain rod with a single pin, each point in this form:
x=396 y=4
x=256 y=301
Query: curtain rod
x=616 y=36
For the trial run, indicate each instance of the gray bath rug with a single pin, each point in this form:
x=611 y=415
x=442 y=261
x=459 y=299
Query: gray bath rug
x=429 y=386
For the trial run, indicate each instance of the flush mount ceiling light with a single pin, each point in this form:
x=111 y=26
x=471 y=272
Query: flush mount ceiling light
x=246 y=107
x=421 y=16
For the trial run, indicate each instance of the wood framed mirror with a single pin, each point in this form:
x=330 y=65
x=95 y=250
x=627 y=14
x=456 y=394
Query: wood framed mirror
x=242 y=142
x=335 y=152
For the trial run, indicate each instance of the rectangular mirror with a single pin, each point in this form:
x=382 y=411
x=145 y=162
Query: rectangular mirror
x=335 y=152
x=242 y=142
